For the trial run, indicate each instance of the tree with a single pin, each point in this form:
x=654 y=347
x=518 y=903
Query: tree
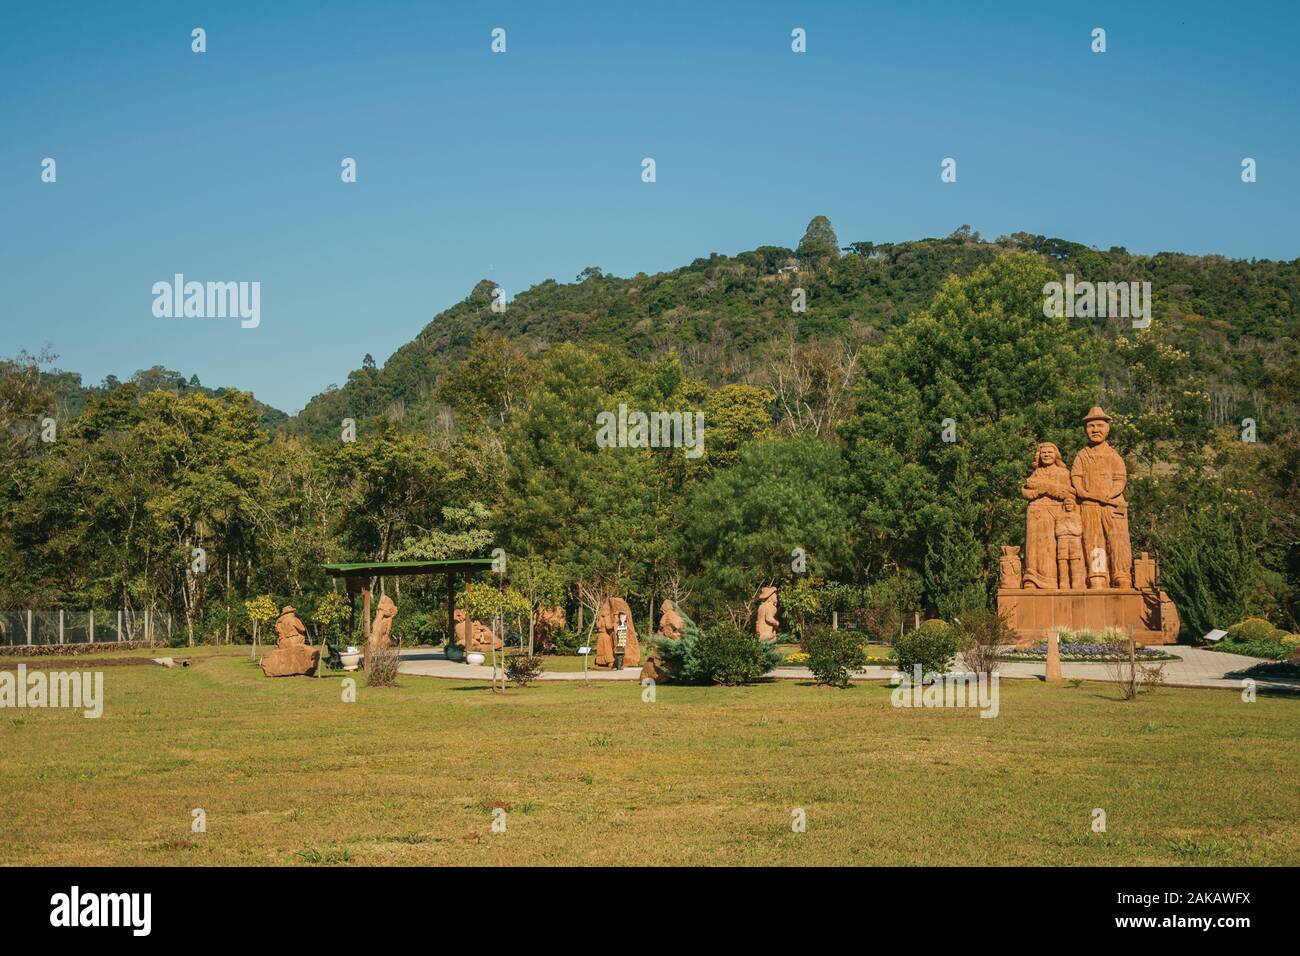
x=950 y=406
x=1209 y=563
x=539 y=583
x=746 y=522
x=260 y=610
x=491 y=381
x=734 y=416
x=954 y=572
x=813 y=382
x=331 y=611
x=465 y=533
x=499 y=605
x=819 y=242
x=391 y=485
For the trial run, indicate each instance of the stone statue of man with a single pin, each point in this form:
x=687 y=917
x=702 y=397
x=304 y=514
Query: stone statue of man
x=766 y=621
x=1098 y=478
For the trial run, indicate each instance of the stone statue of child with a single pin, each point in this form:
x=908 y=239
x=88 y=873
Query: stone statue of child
x=1070 y=572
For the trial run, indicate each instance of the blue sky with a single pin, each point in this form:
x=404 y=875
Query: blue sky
x=527 y=165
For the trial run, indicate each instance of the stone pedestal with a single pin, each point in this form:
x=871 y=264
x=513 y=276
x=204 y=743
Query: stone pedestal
x=1053 y=672
x=1036 y=612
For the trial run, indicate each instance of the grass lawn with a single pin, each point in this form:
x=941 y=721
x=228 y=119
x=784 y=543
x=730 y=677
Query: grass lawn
x=289 y=774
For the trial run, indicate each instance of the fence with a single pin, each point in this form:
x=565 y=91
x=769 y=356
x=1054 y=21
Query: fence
x=84 y=627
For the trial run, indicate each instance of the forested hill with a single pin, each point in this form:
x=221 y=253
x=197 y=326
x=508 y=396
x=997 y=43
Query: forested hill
x=727 y=316
x=70 y=395
x=823 y=431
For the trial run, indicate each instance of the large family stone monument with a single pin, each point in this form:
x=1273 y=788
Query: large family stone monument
x=1077 y=569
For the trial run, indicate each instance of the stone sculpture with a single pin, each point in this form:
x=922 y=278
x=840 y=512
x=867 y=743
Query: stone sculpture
x=478 y=638
x=765 y=623
x=1098 y=477
x=1078 y=570
x=616 y=643
x=1069 y=547
x=381 y=630
x=670 y=622
x=289 y=628
x=1046 y=487
x=1009 y=568
x=292 y=656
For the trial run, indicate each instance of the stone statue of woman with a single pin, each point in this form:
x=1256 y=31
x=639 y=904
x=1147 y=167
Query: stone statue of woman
x=1045 y=488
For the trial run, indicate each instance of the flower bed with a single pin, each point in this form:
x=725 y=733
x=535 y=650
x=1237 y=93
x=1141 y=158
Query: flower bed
x=1079 y=652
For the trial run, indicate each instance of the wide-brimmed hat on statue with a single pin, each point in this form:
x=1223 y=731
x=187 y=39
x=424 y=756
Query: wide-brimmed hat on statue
x=1096 y=415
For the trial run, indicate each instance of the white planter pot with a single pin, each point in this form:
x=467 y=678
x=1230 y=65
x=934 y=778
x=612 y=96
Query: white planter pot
x=475 y=658
x=351 y=660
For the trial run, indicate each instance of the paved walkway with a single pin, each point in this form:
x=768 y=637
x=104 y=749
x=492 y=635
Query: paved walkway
x=434 y=663
x=1198 y=668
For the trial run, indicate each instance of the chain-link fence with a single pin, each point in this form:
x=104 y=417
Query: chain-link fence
x=84 y=627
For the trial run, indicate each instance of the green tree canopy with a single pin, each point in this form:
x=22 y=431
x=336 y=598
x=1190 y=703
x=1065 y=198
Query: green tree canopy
x=819 y=241
x=983 y=366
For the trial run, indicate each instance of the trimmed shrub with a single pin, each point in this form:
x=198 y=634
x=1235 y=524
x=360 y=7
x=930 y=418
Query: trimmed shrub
x=728 y=655
x=1254 y=629
x=566 y=641
x=932 y=645
x=721 y=655
x=833 y=656
x=1256 y=637
x=522 y=669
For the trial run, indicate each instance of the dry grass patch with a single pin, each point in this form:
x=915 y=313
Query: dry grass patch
x=288 y=773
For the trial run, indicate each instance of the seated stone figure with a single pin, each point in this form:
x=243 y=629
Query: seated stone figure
x=289 y=628
x=616 y=635
x=291 y=656
x=479 y=638
x=670 y=621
